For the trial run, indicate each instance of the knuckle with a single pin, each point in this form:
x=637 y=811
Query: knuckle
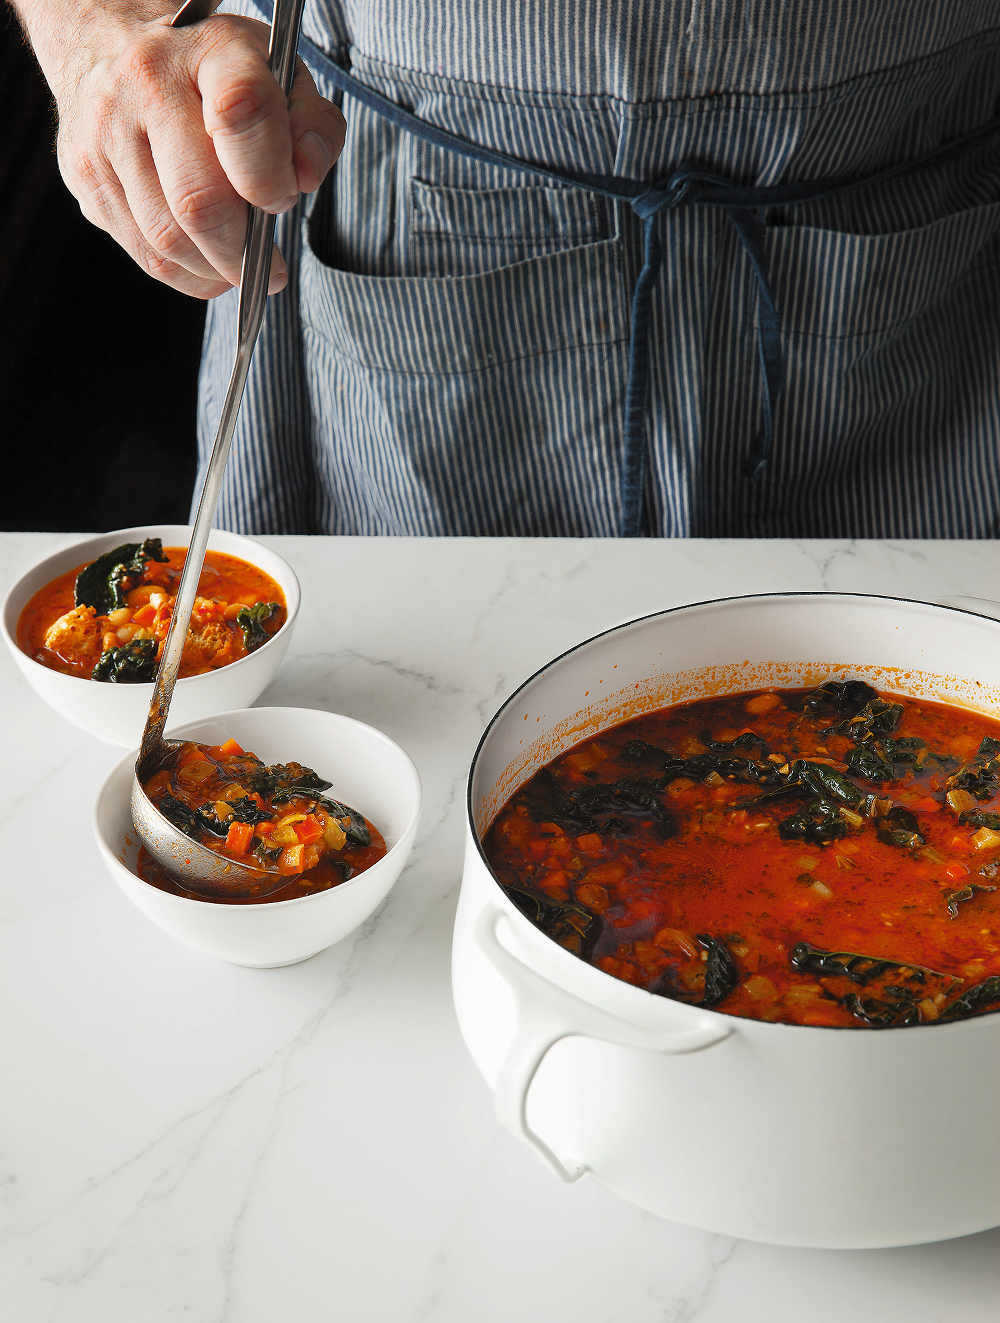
x=155 y=265
x=243 y=102
x=202 y=209
x=165 y=237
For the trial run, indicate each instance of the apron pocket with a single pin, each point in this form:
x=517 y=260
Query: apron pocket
x=475 y=404
x=834 y=283
x=463 y=231
x=887 y=424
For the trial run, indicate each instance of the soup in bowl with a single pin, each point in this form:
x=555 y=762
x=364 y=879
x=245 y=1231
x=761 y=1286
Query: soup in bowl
x=86 y=626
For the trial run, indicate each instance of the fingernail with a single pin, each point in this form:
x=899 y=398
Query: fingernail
x=284 y=206
x=318 y=153
x=279 y=275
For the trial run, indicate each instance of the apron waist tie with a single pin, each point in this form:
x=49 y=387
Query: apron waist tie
x=685 y=186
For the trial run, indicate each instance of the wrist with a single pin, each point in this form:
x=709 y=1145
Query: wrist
x=70 y=37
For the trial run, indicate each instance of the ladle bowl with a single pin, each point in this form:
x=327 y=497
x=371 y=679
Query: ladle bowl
x=204 y=872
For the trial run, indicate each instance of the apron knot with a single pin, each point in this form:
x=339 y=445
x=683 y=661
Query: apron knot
x=665 y=194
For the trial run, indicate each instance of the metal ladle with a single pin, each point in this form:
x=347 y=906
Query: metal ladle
x=196 y=867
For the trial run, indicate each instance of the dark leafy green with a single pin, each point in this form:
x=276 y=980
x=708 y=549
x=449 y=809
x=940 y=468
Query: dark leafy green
x=610 y=808
x=984 y=996
x=980 y=776
x=954 y=899
x=893 y=989
x=862 y=969
x=875 y=719
x=567 y=923
x=356 y=830
x=132 y=663
x=721 y=972
x=104 y=582
x=252 y=619
x=979 y=818
x=284 y=781
x=843 y=698
x=818 y=823
x=900 y=827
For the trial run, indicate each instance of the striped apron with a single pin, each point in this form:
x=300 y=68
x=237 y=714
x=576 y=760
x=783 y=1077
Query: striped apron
x=649 y=267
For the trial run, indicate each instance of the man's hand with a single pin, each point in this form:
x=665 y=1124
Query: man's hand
x=166 y=134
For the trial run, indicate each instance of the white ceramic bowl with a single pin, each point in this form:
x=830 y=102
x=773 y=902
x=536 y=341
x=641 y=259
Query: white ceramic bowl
x=116 y=713
x=368 y=770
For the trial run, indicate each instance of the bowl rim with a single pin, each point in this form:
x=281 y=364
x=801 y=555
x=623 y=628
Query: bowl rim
x=128 y=763
x=293 y=599
x=600 y=978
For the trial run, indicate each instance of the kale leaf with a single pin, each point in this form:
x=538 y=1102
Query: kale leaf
x=104 y=582
x=981 y=775
x=899 y=827
x=132 y=663
x=843 y=698
x=251 y=620
x=567 y=923
x=605 y=808
x=956 y=898
x=356 y=830
x=721 y=972
x=283 y=781
x=818 y=823
x=984 y=996
x=980 y=818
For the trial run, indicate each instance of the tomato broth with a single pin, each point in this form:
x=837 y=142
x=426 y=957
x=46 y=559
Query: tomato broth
x=117 y=634
x=827 y=857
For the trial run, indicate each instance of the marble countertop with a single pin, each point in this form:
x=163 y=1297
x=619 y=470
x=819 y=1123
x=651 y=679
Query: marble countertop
x=182 y=1139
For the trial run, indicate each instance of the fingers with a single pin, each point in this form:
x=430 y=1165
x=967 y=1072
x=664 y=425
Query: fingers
x=166 y=141
x=143 y=173
x=200 y=207
x=247 y=119
x=104 y=204
x=318 y=130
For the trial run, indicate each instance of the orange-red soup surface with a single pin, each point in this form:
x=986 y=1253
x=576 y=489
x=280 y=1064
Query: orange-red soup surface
x=826 y=857
x=73 y=639
x=275 y=817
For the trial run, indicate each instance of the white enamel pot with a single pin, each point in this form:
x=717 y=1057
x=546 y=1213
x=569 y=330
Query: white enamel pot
x=837 y=1138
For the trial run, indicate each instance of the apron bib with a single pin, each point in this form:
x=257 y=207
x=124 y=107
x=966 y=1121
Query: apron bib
x=470 y=347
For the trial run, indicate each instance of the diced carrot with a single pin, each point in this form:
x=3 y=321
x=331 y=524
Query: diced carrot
x=955 y=869
x=230 y=749
x=265 y=826
x=308 y=830
x=238 y=837
x=590 y=843
x=292 y=860
x=145 y=615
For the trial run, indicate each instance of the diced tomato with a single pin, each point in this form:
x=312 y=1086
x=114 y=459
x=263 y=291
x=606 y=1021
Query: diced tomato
x=238 y=837
x=144 y=616
x=955 y=869
x=308 y=830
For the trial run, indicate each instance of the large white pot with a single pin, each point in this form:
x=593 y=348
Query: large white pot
x=783 y=1133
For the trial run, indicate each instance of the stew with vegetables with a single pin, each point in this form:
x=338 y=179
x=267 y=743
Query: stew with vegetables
x=276 y=818
x=107 y=620
x=825 y=857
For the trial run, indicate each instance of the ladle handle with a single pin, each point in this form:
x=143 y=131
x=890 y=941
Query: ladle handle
x=254 y=277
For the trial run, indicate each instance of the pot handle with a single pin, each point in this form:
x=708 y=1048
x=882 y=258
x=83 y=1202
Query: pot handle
x=980 y=606
x=546 y=1014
